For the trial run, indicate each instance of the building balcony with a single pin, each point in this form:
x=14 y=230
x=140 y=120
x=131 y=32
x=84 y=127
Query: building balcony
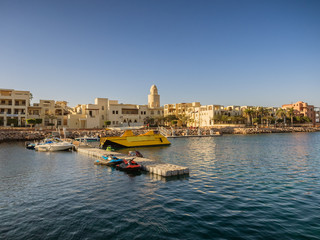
x=33 y=116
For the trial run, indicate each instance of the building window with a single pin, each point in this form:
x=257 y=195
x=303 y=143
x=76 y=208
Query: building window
x=102 y=117
x=102 y=107
x=113 y=112
x=152 y=112
x=113 y=122
x=116 y=112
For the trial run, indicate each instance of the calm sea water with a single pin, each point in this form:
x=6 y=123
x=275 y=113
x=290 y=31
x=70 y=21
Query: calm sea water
x=240 y=187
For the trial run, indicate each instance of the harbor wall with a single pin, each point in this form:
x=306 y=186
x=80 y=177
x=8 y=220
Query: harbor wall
x=27 y=134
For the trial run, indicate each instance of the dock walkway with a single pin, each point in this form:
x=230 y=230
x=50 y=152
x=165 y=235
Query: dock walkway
x=149 y=165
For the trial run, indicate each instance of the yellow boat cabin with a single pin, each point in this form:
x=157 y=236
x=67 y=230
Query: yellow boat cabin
x=128 y=139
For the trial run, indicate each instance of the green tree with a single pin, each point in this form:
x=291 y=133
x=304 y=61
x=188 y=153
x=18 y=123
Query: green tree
x=159 y=120
x=281 y=113
x=306 y=119
x=170 y=118
x=31 y=121
x=13 y=121
x=107 y=123
x=149 y=120
x=255 y=120
x=240 y=119
x=290 y=114
x=224 y=118
x=51 y=117
x=184 y=119
x=217 y=118
x=38 y=120
x=265 y=115
x=248 y=113
x=174 y=122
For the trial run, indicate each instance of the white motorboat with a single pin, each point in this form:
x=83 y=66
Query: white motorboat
x=53 y=145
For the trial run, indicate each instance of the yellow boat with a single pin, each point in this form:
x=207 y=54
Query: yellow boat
x=127 y=139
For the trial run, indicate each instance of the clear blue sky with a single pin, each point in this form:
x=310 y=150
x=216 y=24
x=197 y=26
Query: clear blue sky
x=229 y=52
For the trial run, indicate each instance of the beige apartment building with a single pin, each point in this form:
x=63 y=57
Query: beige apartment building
x=84 y=116
x=52 y=113
x=119 y=114
x=13 y=107
x=180 y=108
x=200 y=116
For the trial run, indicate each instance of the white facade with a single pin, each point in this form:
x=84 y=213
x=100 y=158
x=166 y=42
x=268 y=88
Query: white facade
x=119 y=114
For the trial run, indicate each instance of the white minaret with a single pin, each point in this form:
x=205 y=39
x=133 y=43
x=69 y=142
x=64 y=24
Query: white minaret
x=153 y=97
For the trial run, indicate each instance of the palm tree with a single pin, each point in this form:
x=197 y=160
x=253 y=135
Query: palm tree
x=290 y=114
x=216 y=118
x=248 y=112
x=281 y=113
x=184 y=119
x=266 y=114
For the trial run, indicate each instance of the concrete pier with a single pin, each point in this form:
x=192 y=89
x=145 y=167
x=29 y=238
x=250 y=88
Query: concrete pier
x=149 y=165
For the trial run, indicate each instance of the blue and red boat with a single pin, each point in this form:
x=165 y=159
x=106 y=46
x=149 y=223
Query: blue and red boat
x=129 y=166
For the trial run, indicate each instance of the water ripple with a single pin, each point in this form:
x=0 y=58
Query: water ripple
x=240 y=187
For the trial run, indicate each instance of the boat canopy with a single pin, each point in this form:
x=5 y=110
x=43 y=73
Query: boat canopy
x=127 y=133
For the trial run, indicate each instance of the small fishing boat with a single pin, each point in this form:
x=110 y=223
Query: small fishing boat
x=129 y=166
x=112 y=160
x=53 y=145
x=87 y=139
x=30 y=145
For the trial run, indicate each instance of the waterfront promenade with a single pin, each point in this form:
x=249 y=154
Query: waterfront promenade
x=30 y=134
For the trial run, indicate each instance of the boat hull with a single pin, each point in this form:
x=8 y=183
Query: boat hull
x=53 y=148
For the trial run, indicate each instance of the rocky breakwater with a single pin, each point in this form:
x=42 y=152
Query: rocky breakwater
x=240 y=130
x=271 y=130
x=18 y=135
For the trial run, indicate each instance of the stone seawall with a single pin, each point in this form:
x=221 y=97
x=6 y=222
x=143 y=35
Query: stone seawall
x=238 y=130
x=21 y=135
x=29 y=135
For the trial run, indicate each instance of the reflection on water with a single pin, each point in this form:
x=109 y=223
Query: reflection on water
x=240 y=187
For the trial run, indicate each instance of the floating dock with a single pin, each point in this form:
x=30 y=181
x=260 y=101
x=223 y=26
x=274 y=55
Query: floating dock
x=149 y=165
